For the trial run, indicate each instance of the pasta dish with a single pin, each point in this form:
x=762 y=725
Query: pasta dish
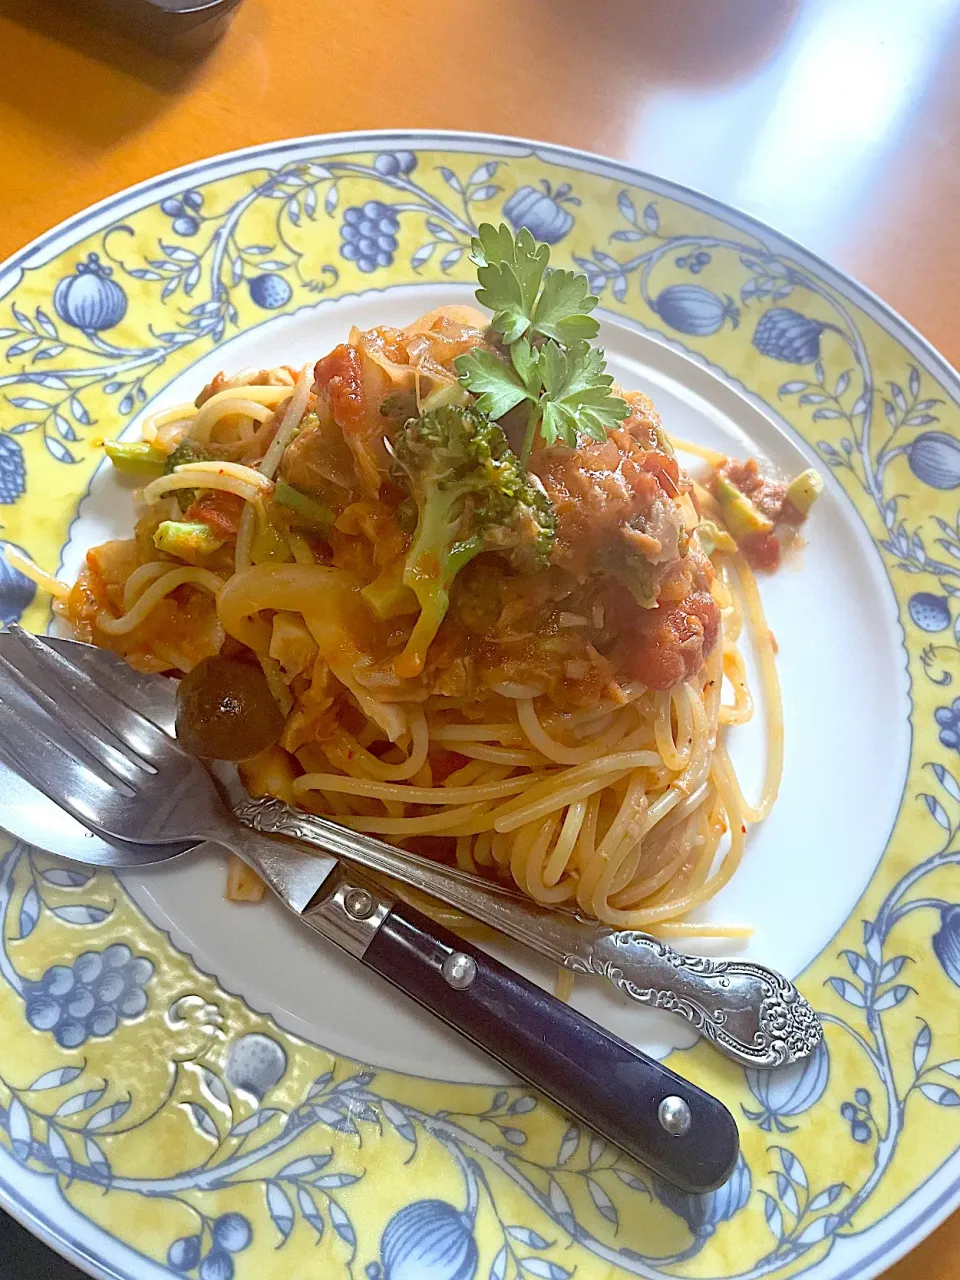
x=452 y=587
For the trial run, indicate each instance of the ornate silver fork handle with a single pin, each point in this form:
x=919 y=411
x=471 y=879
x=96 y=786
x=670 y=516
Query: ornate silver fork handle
x=751 y=1013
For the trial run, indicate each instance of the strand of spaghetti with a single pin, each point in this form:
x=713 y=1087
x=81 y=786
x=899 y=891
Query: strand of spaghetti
x=701 y=929
x=735 y=671
x=682 y=810
x=557 y=799
x=733 y=609
x=528 y=868
x=243 y=548
x=500 y=849
x=469 y=773
x=481 y=852
x=556 y=751
x=587 y=839
x=619 y=764
x=670 y=859
x=141 y=578
x=269 y=463
x=720 y=590
x=220 y=467
x=674 y=746
x=476 y=733
x=629 y=858
x=772 y=698
x=46 y=581
x=176 y=413
x=288 y=423
x=698 y=450
x=620 y=838
x=359 y=762
x=468 y=820
x=255 y=402
x=711 y=689
x=560 y=854
x=209 y=480
x=216 y=411
x=693 y=775
x=266 y=393
x=411 y=795
x=563 y=986
x=517 y=758
x=520 y=846
x=685 y=903
x=154 y=594
x=464 y=854
x=556 y=867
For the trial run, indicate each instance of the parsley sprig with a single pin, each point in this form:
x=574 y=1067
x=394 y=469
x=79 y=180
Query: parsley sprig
x=543 y=317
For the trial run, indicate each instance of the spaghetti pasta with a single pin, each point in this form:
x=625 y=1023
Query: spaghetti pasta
x=563 y=723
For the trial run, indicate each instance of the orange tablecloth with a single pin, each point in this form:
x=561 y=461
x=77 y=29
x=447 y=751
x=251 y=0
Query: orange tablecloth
x=837 y=121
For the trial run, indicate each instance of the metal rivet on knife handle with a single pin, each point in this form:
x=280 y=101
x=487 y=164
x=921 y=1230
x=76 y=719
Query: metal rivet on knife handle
x=459 y=970
x=358 y=903
x=674 y=1116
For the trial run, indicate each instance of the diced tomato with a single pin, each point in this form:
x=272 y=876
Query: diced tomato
x=767 y=495
x=219 y=511
x=663 y=646
x=762 y=551
x=339 y=376
x=340 y=381
x=443 y=763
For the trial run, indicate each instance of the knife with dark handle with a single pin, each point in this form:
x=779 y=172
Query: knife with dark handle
x=679 y=1131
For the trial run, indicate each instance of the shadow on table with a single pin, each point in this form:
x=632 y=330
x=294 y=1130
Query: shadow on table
x=151 y=68
x=25 y=1258
x=689 y=42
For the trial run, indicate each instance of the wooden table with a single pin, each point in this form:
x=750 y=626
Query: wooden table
x=837 y=121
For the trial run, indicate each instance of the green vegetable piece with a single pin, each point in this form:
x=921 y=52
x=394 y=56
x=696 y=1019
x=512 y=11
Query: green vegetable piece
x=543 y=317
x=389 y=596
x=444 y=394
x=740 y=515
x=136 y=458
x=307 y=513
x=804 y=490
x=635 y=573
x=472 y=496
x=713 y=538
x=187 y=451
x=186 y=539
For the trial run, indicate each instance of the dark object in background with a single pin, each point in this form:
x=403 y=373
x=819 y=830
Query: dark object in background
x=26 y=1258
x=181 y=25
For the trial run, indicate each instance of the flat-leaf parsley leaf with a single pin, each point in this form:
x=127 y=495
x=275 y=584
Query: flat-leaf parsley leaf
x=543 y=318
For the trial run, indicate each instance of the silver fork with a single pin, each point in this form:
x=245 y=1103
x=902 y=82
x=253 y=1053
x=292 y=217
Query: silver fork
x=79 y=741
x=748 y=1011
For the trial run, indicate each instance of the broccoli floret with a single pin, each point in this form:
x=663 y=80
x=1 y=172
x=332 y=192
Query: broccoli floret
x=187 y=540
x=136 y=458
x=305 y=512
x=187 y=451
x=472 y=495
